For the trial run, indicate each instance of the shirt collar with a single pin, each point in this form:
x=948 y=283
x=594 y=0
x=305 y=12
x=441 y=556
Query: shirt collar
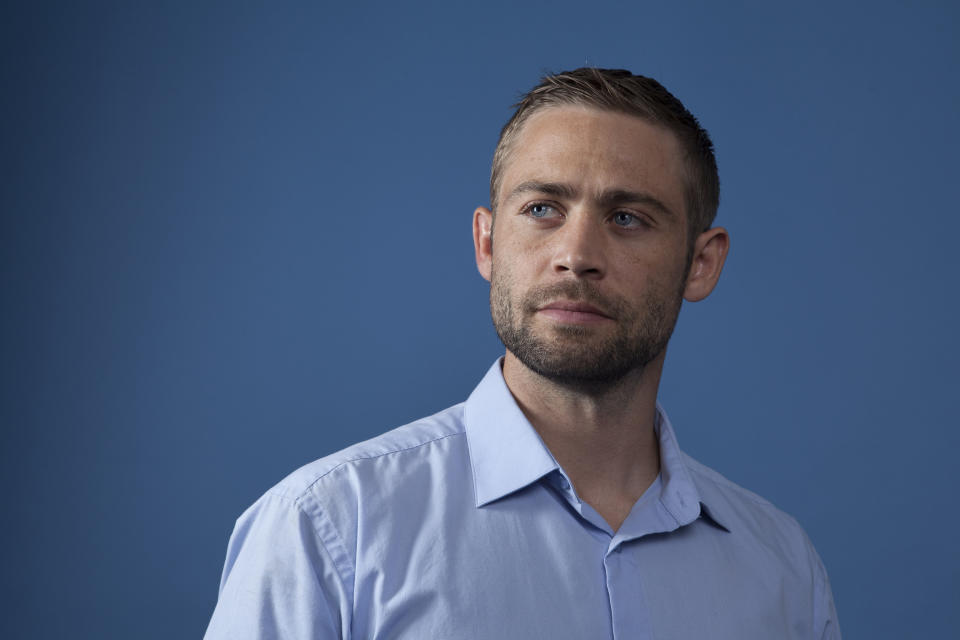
x=507 y=454
x=679 y=494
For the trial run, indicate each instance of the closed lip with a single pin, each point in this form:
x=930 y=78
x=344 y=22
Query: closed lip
x=568 y=305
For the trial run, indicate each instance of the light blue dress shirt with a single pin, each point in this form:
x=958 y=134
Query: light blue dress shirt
x=462 y=525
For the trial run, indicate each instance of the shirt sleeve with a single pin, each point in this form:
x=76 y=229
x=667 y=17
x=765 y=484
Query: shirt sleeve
x=826 y=625
x=279 y=579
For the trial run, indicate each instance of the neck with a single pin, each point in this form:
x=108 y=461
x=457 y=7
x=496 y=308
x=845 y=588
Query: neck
x=603 y=437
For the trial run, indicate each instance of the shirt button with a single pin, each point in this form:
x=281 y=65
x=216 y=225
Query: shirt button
x=564 y=484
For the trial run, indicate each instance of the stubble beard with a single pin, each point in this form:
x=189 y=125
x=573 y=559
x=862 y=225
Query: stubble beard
x=585 y=357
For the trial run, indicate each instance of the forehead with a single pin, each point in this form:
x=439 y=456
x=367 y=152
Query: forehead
x=595 y=150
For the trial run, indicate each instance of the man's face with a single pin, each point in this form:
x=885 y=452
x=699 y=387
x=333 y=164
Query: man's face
x=589 y=249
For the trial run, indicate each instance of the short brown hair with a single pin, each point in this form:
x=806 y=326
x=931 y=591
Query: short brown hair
x=621 y=91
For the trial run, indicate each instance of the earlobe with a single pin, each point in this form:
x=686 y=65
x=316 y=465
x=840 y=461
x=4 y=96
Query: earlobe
x=709 y=253
x=483 y=241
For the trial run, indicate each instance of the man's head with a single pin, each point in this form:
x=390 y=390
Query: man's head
x=594 y=248
x=618 y=90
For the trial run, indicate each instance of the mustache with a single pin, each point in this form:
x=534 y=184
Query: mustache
x=575 y=291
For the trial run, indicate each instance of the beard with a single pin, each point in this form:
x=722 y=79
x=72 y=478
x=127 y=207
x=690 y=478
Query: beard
x=584 y=356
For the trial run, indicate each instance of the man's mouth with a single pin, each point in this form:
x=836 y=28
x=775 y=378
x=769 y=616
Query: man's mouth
x=573 y=312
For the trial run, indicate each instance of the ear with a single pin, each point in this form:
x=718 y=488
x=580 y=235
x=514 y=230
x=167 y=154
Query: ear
x=483 y=241
x=709 y=253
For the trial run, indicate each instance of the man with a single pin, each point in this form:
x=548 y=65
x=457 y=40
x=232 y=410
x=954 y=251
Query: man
x=554 y=503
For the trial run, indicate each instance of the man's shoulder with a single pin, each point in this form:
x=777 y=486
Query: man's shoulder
x=745 y=513
x=716 y=483
x=418 y=438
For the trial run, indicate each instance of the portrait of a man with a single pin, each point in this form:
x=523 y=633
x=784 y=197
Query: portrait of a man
x=556 y=501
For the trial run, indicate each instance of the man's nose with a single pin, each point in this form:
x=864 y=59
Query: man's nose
x=579 y=249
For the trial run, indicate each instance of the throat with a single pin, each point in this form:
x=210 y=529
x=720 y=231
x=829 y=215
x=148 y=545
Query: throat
x=612 y=506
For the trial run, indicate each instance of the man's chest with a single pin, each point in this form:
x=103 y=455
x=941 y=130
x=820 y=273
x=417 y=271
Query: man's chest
x=535 y=572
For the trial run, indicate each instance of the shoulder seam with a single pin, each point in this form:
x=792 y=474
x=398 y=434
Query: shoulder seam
x=326 y=547
x=372 y=457
x=295 y=503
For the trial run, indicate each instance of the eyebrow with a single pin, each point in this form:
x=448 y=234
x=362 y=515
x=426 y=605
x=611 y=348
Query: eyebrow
x=607 y=198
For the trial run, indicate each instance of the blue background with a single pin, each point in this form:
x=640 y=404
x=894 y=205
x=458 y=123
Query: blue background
x=236 y=237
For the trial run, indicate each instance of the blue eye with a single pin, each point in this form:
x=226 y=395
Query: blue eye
x=624 y=219
x=539 y=210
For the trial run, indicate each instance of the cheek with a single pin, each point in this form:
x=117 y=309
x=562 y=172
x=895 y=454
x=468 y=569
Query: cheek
x=512 y=264
x=649 y=280
x=500 y=281
x=510 y=284
x=661 y=263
